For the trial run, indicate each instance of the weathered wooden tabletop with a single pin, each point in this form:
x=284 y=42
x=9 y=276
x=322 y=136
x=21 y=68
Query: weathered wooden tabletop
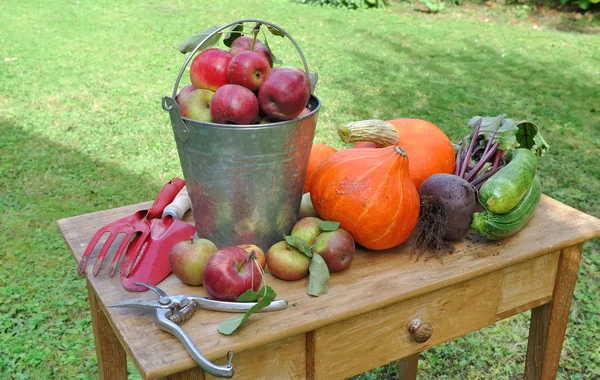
x=374 y=280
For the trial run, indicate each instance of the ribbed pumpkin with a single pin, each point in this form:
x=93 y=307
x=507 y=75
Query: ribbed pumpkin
x=371 y=194
x=428 y=148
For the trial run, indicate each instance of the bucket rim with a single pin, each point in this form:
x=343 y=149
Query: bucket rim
x=256 y=126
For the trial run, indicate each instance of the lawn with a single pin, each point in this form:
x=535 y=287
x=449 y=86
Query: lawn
x=82 y=129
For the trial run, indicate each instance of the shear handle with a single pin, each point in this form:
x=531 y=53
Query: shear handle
x=165 y=324
x=231 y=307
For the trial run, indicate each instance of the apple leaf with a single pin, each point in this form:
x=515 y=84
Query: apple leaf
x=252 y=296
x=299 y=244
x=234 y=32
x=275 y=31
x=328 y=225
x=191 y=43
x=319 y=276
x=228 y=326
x=266 y=42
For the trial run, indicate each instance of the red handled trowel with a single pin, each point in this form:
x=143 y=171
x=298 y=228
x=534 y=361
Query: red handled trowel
x=151 y=265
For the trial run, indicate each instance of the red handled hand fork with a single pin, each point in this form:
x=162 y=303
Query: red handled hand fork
x=134 y=226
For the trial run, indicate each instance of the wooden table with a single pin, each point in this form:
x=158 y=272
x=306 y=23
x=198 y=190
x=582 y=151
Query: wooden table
x=361 y=323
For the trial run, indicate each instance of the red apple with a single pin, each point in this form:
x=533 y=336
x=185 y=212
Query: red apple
x=196 y=104
x=209 y=69
x=307 y=229
x=284 y=94
x=234 y=104
x=337 y=249
x=228 y=274
x=188 y=259
x=249 y=69
x=260 y=255
x=286 y=262
x=244 y=43
x=184 y=91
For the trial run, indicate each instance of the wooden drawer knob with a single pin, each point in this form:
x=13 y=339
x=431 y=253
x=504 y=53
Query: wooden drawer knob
x=421 y=331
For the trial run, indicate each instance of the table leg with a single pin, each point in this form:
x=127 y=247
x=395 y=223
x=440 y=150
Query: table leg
x=549 y=321
x=112 y=360
x=407 y=367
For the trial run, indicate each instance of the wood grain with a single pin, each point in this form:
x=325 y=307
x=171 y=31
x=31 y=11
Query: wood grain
x=381 y=336
x=281 y=360
x=549 y=322
x=112 y=361
x=528 y=283
x=375 y=280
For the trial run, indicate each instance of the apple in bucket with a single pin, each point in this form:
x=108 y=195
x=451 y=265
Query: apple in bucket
x=234 y=104
x=285 y=93
x=249 y=69
x=244 y=43
x=230 y=272
x=209 y=69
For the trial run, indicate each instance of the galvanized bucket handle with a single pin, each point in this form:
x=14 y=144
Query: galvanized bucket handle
x=191 y=55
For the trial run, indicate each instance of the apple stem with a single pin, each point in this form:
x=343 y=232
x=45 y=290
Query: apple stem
x=250 y=256
x=255 y=32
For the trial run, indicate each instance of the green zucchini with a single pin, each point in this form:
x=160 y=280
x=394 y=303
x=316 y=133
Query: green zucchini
x=496 y=227
x=504 y=190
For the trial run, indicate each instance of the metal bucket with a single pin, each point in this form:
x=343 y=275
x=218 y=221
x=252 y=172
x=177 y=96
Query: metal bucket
x=245 y=182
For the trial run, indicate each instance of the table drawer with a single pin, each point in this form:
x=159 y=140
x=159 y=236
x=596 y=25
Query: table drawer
x=381 y=336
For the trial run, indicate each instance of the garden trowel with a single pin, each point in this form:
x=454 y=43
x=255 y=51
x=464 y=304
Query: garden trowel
x=151 y=265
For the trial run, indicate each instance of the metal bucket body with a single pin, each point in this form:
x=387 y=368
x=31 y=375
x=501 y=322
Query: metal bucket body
x=245 y=182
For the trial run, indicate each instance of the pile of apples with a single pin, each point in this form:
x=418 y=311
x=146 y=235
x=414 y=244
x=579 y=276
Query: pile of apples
x=241 y=86
x=228 y=272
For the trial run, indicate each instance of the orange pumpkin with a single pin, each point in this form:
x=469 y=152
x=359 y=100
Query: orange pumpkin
x=318 y=153
x=371 y=194
x=428 y=148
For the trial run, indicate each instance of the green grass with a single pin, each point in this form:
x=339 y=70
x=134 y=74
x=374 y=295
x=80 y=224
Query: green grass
x=81 y=130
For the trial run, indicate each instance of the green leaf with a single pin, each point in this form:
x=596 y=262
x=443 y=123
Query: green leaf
x=234 y=32
x=248 y=296
x=191 y=43
x=319 y=276
x=328 y=225
x=273 y=57
x=275 y=31
x=506 y=130
x=228 y=326
x=530 y=137
x=299 y=244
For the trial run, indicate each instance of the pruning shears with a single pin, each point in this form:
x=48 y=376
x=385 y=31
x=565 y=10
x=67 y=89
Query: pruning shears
x=171 y=310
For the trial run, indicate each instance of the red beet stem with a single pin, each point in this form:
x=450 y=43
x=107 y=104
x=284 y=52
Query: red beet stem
x=497 y=158
x=481 y=162
x=470 y=150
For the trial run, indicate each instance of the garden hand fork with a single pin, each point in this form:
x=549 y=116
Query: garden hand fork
x=134 y=226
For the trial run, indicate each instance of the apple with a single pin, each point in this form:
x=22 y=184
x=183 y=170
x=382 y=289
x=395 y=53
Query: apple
x=234 y=104
x=286 y=262
x=184 y=91
x=307 y=229
x=260 y=254
x=196 y=104
x=306 y=207
x=229 y=273
x=188 y=259
x=244 y=43
x=285 y=93
x=337 y=248
x=249 y=69
x=209 y=69
x=305 y=112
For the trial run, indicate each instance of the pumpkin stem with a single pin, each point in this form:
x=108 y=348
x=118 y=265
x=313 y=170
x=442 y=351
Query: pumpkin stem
x=379 y=132
x=399 y=150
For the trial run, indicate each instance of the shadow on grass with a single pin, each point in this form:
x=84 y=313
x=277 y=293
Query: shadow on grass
x=44 y=321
